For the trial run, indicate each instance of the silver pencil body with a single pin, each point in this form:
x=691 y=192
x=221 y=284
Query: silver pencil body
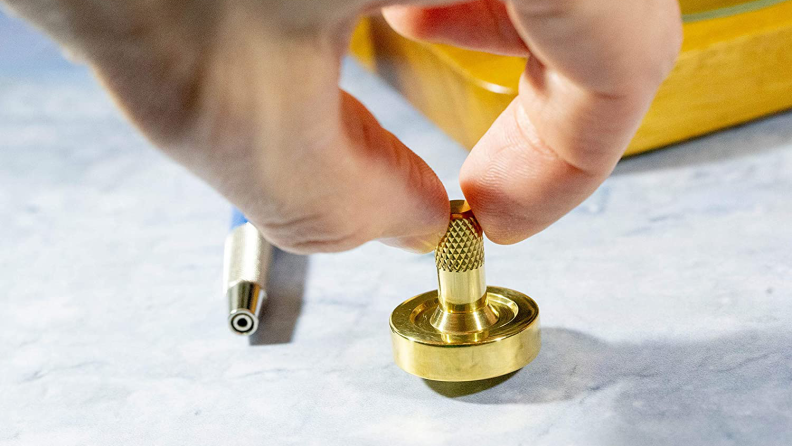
x=245 y=270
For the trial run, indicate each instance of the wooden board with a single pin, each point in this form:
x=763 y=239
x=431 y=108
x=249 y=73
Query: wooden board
x=735 y=65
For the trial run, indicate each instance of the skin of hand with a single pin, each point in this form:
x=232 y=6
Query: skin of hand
x=245 y=94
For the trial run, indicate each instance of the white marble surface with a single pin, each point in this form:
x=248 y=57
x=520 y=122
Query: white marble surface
x=666 y=298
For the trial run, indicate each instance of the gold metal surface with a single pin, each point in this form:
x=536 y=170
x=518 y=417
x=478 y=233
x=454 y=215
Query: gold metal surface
x=247 y=258
x=465 y=330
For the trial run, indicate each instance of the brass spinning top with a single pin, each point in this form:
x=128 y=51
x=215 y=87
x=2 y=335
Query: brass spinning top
x=464 y=330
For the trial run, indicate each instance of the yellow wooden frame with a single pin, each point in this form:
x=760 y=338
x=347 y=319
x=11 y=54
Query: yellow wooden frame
x=731 y=69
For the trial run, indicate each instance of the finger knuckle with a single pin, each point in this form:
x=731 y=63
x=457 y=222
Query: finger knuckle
x=307 y=232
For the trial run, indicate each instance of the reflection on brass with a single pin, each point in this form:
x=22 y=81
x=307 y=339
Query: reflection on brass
x=247 y=257
x=464 y=330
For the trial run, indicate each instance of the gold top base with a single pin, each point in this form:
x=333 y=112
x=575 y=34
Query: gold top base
x=510 y=343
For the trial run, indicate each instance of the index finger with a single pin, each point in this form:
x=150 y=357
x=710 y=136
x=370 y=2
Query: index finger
x=593 y=69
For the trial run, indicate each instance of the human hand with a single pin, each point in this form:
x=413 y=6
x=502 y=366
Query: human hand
x=245 y=94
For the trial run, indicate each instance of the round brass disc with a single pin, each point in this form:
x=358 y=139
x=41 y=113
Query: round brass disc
x=508 y=345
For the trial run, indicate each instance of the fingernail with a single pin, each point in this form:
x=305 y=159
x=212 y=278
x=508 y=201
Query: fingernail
x=415 y=244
